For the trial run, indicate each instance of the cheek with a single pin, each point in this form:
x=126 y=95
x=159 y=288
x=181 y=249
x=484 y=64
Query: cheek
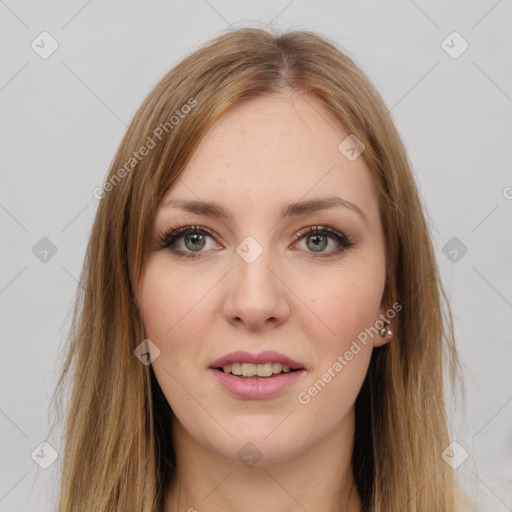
x=173 y=308
x=343 y=305
x=169 y=300
x=346 y=307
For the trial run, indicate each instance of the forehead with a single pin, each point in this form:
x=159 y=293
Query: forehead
x=272 y=150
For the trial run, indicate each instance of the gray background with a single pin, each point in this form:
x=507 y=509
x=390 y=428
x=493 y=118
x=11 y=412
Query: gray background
x=63 y=118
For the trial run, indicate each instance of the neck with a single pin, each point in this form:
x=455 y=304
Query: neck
x=317 y=479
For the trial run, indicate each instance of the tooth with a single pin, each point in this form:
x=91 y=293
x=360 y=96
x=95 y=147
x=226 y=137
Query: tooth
x=277 y=367
x=264 y=370
x=259 y=370
x=248 y=369
x=236 y=369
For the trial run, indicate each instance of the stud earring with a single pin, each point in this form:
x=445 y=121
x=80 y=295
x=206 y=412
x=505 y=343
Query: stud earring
x=385 y=331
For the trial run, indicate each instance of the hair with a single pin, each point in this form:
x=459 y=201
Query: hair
x=118 y=455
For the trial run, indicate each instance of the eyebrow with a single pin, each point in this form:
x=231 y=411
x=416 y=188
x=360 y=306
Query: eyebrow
x=290 y=210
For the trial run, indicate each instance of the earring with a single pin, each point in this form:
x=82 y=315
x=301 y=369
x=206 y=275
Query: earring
x=385 y=331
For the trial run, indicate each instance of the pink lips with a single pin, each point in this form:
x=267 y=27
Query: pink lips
x=256 y=388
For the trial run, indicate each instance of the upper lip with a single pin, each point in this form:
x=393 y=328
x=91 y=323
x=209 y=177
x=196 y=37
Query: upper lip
x=268 y=356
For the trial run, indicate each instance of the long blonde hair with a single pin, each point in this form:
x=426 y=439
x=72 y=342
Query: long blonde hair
x=118 y=455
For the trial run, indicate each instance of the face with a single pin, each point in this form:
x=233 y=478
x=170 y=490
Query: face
x=255 y=274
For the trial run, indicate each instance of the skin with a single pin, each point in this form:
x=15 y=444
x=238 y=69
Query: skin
x=265 y=153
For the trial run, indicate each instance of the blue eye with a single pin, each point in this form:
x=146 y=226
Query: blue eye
x=189 y=241
x=193 y=239
x=317 y=238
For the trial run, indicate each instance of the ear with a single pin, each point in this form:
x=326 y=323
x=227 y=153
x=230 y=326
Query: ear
x=381 y=323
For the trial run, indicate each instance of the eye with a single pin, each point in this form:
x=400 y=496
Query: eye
x=316 y=239
x=187 y=240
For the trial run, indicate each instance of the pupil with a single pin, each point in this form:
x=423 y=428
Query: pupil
x=196 y=239
x=319 y=241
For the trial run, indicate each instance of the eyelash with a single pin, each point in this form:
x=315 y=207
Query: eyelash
x=170 y=237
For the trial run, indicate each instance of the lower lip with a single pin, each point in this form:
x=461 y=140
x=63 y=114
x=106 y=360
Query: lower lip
x=255 y=389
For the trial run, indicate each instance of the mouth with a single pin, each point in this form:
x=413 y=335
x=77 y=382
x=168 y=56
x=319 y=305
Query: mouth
x=256 y=381
x=265 y=365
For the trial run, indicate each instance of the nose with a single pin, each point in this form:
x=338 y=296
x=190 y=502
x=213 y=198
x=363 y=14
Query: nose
x=256 y=297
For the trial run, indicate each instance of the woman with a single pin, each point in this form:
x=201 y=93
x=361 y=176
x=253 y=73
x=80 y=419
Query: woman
x=260 y=325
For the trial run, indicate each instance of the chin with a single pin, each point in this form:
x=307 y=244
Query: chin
x=259 y=444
